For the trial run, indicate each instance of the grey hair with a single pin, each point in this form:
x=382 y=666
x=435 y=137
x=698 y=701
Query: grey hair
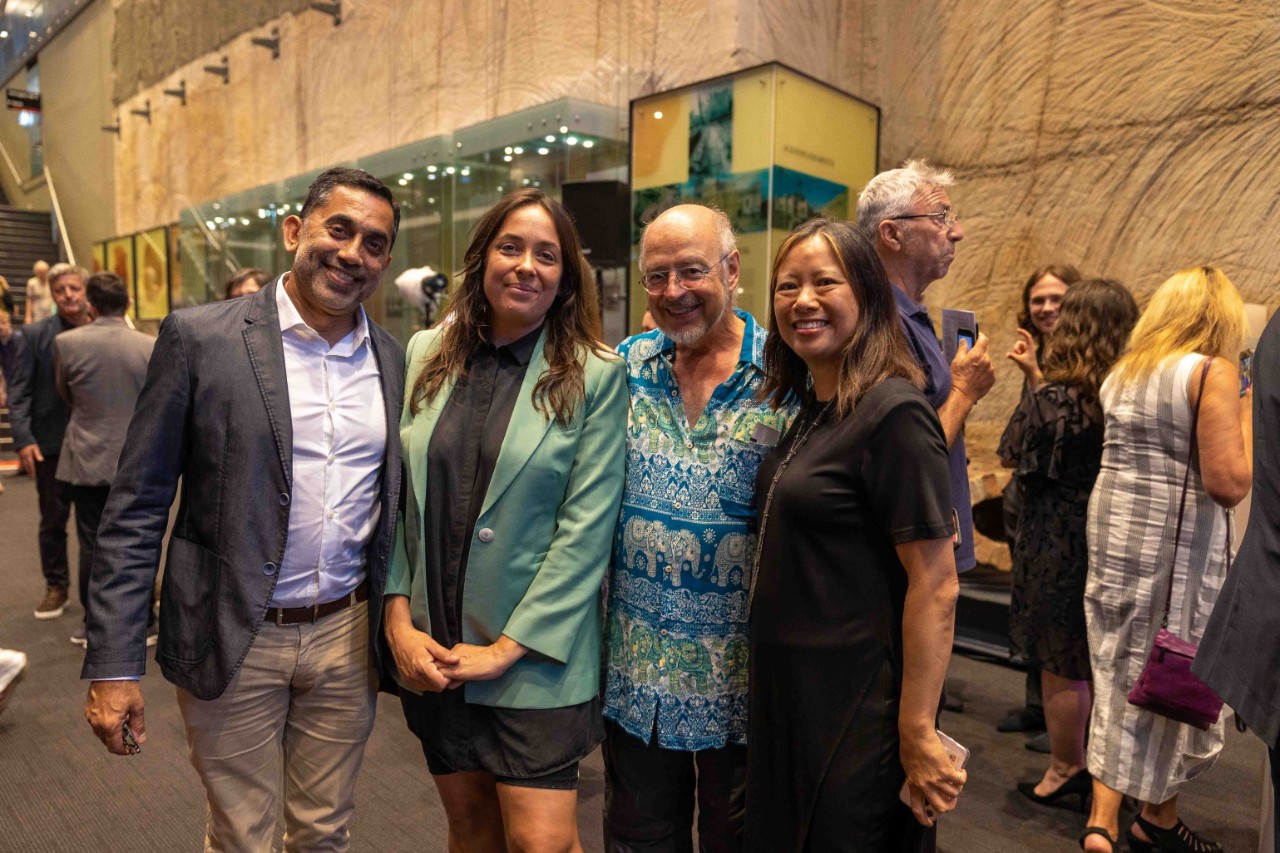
x=724 y=228
x=57 y=271
x=891 y=193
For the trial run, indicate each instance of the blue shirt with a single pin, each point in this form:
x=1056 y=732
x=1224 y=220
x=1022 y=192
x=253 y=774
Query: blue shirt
x=676 y=629
x=923 y=339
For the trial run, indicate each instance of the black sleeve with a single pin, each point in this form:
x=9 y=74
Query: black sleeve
x=20 y=377
x=1010 y=448
x=906 y=472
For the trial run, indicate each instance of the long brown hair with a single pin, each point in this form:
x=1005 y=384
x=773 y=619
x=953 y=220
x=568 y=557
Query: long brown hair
x=572 y=324
x=877 y=349
x=1064 y=273
x=1095 y=321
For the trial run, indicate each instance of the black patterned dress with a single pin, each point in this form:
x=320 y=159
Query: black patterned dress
x=1055 y=441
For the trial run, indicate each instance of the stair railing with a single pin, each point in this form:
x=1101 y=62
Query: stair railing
x=60 y=236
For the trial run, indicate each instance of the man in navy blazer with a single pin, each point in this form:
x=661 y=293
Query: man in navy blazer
x=277 y=413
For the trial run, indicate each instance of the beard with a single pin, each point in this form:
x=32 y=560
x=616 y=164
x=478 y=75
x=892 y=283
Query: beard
x=692 y=336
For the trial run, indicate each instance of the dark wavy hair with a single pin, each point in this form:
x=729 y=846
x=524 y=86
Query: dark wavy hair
x=1065 y=273
x=878 y=347
x=1093 y=327
x=572 y=324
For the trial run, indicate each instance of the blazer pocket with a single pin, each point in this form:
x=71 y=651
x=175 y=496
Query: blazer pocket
x=188 y=602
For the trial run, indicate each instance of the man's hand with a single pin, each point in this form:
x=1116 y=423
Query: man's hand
x=28 y=457
x=109 y=705
x=483 y=663
x=420 y=659
x=971 y=371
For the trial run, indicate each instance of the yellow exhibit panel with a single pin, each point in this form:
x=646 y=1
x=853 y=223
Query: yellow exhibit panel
x=769 y=146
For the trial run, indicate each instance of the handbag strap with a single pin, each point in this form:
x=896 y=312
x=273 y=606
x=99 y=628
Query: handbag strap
x=1182 y=503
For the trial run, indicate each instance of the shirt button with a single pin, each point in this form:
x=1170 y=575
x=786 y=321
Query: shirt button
x=663 y=632
x=284 y=499
x=268 y=569
x=333 y=407
x=688 y=442
x=677 y=504
x=331 y=459
x=332 y=513
x=485 y=535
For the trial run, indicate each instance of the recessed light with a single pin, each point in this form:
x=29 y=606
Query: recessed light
x=408 y=176
x=544 y=150
x=564 y=128
x=518 y=150
x=551 y=137
x=588 y=144
x=571 y=140
x=657 y=114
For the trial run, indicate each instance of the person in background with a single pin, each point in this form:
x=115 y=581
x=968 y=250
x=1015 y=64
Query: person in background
x=1056 y=456
x=39 y=298
x=12 y=664
x=1239 y=654
x=1181 y=357
x=246 y=281
x=99 y=369
x=39 y=419
x=513 y=429
x=6 y=296
x=855 y=570
x=676 y=626
x=907 y=216
x=1042 y=297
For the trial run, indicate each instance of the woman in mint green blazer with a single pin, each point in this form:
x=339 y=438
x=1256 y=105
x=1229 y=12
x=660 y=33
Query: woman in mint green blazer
x=513 y=429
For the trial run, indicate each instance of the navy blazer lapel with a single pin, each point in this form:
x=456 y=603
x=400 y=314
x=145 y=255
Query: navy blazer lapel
x=263 y=339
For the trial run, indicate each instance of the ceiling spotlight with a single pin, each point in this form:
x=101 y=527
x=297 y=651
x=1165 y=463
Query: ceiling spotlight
x=499 y=187
x=587 y=143
x=525 y=182
x=402 y=182
x=432 y=168
x=450 y=170
x=431 y=176
x=208 y=225
x=244 y=220
x=408 y=176
x=564 y=129
x=571 y=140
x=262 y=214
x=507 y=150
x=544 y=150
x=518 y=150
x=466 y=171
x=506 y=158
x=4 y=34
x=217 y=219
x=657 y=114
x=431 y=201
x=551 y=137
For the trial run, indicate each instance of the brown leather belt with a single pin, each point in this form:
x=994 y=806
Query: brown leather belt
x=307 y=615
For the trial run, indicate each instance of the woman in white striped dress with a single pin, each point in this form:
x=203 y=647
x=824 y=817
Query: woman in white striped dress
x=1148 y=398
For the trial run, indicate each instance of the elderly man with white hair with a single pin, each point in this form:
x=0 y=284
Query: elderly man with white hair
x=907 y=215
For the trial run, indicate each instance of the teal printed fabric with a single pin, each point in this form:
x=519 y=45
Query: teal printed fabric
x=676 y=631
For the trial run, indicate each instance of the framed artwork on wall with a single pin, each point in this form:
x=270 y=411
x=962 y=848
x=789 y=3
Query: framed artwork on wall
x=151 y=260
x=120 y=261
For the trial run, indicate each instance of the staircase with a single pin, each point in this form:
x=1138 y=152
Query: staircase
x=26 y=236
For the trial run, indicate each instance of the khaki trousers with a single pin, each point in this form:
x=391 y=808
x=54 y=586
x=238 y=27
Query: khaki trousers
x=297 y=712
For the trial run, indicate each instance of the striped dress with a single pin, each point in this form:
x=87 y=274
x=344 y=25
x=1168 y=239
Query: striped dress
x=1133 y=515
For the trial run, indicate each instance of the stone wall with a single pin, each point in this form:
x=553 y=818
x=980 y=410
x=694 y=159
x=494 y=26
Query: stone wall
x=155 y=37
x=1130 y=137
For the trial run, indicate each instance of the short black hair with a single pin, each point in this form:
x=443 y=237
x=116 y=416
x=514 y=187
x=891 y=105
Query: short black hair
x=107 y=294
x=339 y=176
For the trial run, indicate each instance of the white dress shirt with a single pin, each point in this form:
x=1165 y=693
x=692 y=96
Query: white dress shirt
x=339 y=438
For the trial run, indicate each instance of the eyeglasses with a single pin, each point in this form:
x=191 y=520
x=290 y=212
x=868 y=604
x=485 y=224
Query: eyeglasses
x=655 y=281
x=947 y=217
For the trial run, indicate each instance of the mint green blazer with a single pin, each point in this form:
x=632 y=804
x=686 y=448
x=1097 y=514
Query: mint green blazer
x=541 y=545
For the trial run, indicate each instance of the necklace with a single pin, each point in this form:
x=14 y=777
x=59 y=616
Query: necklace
x=796 y=444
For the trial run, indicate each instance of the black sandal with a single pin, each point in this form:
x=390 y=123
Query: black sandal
x=1179 y=839
x=1097 y=830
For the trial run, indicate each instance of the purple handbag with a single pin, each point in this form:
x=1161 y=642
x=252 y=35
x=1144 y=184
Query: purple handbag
x=1167 y=686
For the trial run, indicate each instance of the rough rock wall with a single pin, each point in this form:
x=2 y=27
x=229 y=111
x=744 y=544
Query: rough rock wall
x=1130 y=137
x=154 y=37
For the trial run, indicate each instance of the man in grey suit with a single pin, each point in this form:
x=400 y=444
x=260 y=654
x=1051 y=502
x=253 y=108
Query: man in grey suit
x=279 y=413
x=98 y=371
x=38 y=418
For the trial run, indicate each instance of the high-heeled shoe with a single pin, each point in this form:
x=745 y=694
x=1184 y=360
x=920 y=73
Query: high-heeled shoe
x=1080 y=784
x=1179 y=839
x=1097 y=830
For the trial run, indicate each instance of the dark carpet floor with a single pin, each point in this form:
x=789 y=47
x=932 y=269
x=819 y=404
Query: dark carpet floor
x=61 y=791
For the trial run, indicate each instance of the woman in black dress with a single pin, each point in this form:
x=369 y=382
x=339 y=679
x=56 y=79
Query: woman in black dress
x=1055 y=442
x=853 y=605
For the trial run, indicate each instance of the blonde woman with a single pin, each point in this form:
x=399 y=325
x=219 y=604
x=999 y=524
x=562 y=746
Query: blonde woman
x=1182 y=355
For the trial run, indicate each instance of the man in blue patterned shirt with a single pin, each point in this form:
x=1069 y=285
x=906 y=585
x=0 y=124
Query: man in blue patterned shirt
x=676 y=700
